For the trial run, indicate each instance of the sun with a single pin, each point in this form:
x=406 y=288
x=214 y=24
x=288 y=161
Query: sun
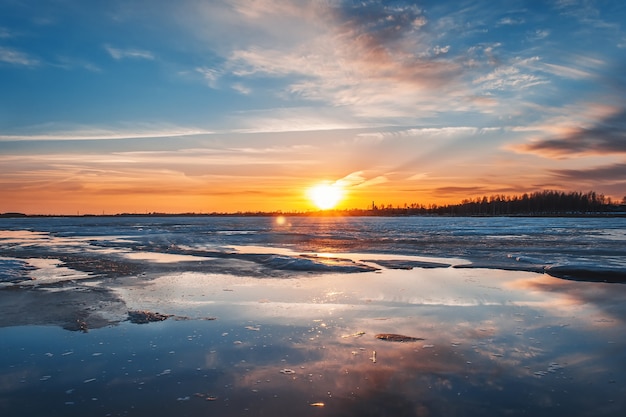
x=325 y=196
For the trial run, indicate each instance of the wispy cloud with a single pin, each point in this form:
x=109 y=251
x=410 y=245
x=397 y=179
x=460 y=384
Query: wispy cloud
x=587 y=14
x=117 y=53
x=351 y=180
x=567 y=71
x=573 y=66
x=15 y=57
x=538 y=34
x=360 y=179
x=606 y=173
x=5 y=33
x=453 y=191
x=428 y=132
x=241 y=88
x=56 y=132
x=70 y=63
x=606 y=136
x=516 y=76
x=296 y=119
x=211 y=75
x=380 y=179
x=510 y=21
x=441 y=50
x=419 y=176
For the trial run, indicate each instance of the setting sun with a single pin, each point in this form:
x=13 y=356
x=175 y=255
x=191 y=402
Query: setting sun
x=325 y=196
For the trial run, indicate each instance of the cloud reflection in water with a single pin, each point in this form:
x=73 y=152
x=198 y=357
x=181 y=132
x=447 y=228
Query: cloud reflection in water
x=496 y=342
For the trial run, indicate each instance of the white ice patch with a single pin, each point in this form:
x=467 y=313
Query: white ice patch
x=50 y=270
x=164 y=257
x=299 y=260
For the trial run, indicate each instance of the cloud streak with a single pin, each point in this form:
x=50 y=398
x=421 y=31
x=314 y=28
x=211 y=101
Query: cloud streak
x=15 y=57
x=605 y=137
x=118 y=54
x=55 y=132
x=608 y=173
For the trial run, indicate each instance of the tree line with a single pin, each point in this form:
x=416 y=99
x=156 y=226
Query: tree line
x=545 y=202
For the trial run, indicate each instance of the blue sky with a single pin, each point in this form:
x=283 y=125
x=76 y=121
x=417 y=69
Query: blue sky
x=224 y=105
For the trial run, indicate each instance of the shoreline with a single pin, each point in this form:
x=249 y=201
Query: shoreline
x=327 y=213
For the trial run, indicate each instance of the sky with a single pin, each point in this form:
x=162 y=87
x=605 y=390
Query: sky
x=140 y=106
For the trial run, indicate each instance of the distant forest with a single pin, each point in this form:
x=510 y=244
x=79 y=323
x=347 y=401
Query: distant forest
x=540 y=203
x=537 y=203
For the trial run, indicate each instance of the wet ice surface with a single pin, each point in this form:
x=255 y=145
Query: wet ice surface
x=578 y=248
x=495 y=342
x=269 y=320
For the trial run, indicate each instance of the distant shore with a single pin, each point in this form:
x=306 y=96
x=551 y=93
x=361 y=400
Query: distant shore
x=320 y=213
x=545 y=203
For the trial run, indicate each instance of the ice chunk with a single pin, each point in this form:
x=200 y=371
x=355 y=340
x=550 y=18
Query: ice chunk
x=587 y=272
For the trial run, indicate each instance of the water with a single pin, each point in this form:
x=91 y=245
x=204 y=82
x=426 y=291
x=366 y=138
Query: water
x=279 y=315
x=583 y=246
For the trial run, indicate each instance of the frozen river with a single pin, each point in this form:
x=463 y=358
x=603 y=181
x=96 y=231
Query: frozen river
x=275 y=315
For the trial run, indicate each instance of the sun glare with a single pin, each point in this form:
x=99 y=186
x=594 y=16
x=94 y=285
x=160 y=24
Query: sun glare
x=325 y=196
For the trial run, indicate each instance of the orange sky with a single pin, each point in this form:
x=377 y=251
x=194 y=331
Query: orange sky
x=277 y=179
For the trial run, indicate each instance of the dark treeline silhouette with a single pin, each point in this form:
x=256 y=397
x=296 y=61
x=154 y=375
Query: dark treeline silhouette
x=538 y=203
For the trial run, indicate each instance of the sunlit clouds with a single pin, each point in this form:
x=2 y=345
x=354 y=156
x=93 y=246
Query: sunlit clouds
x=399 y=103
